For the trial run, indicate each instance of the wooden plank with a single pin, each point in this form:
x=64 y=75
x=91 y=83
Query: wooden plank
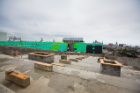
x=58 y=64
x=45 y=64
x=117 y=63
x=18 y=75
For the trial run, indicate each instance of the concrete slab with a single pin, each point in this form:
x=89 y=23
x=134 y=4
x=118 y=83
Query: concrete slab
x=78 y=77
x=4 y=89
x=43 y=66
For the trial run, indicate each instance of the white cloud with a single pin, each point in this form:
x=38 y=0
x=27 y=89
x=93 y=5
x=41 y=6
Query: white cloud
x=103 y=20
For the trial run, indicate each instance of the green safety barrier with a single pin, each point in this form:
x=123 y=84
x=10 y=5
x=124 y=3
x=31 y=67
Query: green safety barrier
x=81 y=47
x=53 y=46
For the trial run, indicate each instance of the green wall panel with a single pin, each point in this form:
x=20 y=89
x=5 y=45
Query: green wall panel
x=81 y=47
x=53 y=46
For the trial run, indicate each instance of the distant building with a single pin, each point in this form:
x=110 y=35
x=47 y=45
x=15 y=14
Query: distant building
x=11 y=38
x=136 y=47
x=122 y=45
x=105 y=46
x=127 y=47
x=3 y=36
x=97 y=42
x=116 y=44
x=74 y=40
x=110 y=45
x=138 y=50
x=138 y=56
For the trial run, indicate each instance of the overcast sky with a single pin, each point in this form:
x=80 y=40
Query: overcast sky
x=102 y=20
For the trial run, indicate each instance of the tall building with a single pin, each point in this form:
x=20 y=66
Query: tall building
x=3 y=36
x=116 y=44
x=122 y=45
x=97 y=42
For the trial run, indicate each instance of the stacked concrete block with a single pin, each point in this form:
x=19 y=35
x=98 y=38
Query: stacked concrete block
x=110 y=67
x=64 y=57
x=65 y=61
x=110 y=70
x=32 y=57
x=43 y=66
x=49 y=58
x=18 y=78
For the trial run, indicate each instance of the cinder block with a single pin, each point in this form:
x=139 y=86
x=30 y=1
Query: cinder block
x=49 y=59
x=110 y=70
x=43 y=66
x=41 y=56
x=18 y=78
x=110 y=67
x=76 y=60
x=65 y=61
x=64 y=57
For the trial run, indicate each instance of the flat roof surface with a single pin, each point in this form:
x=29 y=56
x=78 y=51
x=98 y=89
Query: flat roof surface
x=78 y=77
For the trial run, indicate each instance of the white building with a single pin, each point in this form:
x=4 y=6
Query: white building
x=3 y=36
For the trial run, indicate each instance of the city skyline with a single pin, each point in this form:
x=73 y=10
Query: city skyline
x=76 y=37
